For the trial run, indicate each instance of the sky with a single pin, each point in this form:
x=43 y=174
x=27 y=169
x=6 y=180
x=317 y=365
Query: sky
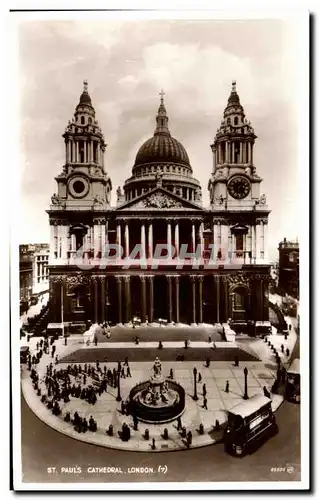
x=126 y=64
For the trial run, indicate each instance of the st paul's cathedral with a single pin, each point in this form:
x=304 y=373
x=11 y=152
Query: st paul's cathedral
x=159 y=253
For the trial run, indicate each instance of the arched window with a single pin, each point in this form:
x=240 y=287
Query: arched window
x=236 y=120
x=82 y=120
x=228 y=121
x=90 y=121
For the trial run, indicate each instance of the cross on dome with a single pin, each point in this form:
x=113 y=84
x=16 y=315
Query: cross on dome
x=162 y=93
x=85 y=85
x=233 y=88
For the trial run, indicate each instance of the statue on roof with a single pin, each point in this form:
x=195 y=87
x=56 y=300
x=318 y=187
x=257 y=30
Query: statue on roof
x=159 y=179
x=119 y=194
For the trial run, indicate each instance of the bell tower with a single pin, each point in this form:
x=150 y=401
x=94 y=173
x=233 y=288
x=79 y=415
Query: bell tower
x=234 y=188
x=83 y=181
x=77 y=210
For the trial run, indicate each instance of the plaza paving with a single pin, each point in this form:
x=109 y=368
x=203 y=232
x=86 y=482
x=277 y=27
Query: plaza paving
x=106 y=411
x=139 y=353
x=156 y=333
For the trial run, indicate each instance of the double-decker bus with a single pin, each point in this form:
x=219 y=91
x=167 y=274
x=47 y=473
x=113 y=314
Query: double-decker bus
x=249 y=424
x=292 y=389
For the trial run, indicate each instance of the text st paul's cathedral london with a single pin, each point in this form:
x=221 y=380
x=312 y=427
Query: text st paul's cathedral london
x=159 y=253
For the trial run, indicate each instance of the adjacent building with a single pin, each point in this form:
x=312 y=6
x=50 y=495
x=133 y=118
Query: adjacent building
x=289 y=267
x=159 y=253
x=34 y=271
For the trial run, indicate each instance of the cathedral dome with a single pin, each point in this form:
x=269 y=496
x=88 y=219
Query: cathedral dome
x=162 y=161
x=162 y=148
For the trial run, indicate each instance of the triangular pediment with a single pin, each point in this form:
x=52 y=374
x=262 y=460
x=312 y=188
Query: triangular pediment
x=159 y=199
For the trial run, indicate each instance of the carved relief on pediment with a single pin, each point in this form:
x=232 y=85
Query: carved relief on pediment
x=160 y=200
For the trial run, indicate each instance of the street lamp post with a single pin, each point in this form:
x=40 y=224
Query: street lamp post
x=118 y=397
x=195 y=397
x=245 y=393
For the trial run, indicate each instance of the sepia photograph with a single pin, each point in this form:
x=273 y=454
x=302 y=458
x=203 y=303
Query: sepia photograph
x=160 y=293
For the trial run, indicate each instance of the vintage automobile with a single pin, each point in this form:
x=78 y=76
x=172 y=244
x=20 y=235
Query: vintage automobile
x=249 y=424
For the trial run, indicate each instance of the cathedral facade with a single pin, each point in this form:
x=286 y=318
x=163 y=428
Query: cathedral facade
x=159 y=254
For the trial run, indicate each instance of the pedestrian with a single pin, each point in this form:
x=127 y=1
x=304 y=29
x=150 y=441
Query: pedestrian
x=282 y=347
x=227 y=386
x=236 y=361
x=189 y=438
x=186 y=344
x=95 y=340
x=65 y=341
x=283 y=374
x=287 y=352
x=153 y=444
x=179 y=423
x=56 y=359
x=128 y=371
x=199 y=377
x=122 y=407
x=209 y=339
x=205 y=403
x=204 y=390
x=171 y=374
x=126 y=361
x=122 y=372
x=207 y=362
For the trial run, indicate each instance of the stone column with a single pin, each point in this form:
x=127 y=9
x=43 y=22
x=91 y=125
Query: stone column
x=225 y=282
x=193 y=238
x=217 y=298
x=193 y=281
x=64 y=242
x=51 y=242
x=85 y=153
x=103 y=299
x=200 y=279
x=176 y=299
x=170 y=304
x=265 y=226
x=169 y=239
x=96 y=311
x=201 y=235
x=127 y=299
x=91 y=151
x=72 y=151
x=73 y=244
x=151 y=299
x=240 y=152
x=176 y=239
x=233 y=247
x=118 y=237
x=214 y=159
x=258 y=241
x=143 y=297
x=77 y=151
x=261 y=300
x=119 y=298
x=127 y=240
x=143 y=242
x=150 y=240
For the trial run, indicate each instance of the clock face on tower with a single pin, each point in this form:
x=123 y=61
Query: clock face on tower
x=238 y=187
